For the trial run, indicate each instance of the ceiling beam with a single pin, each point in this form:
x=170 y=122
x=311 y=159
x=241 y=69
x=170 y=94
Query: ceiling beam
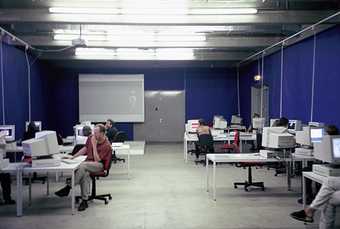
x=8 y=16
x=241 y=42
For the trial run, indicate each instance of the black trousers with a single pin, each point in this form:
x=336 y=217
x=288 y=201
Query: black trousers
x=5 y=180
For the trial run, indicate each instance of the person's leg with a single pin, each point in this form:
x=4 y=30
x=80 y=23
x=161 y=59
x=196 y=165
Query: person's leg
x=85 y=182
x=6 y=187
x=78 y=177
x=328 y=213
x=331 y=185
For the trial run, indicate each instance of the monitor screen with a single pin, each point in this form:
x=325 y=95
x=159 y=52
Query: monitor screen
x=291 y=124
x=9 y=132
x=336 y=148
x=316 y=134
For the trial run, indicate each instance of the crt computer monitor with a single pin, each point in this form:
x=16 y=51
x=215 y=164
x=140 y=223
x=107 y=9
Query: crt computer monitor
x=336 y=150
x=316 y=134
x=9 y=131
x=38 y=124
x=51 y=140
x=328 y=150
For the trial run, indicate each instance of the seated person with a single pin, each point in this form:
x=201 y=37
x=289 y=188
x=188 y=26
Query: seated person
x=203 y=128
x=326 y=200
x=330 y=130
x=5 y=178
x=282 y=122
x=81 y=140
x=111 y=130
x=98 y=149
x=31 y=130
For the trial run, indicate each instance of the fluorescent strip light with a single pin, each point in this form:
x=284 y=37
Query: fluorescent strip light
x=153 y=11
x=131 y=38
x=223 y=11
x=136 y=54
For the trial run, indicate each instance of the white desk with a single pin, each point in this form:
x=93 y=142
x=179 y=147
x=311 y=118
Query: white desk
x=217 y=138
x=230 y=158
x=62 y=149
x=123 y=149
x=23 y=168
x=312 y=176
x=239 y=158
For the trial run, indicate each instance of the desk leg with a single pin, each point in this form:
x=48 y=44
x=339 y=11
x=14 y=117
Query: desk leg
x=241 y=148
x=72 y=192
x=29 y=189
x=289 y=176
x=207 y=172
x=214 y=180
x=128 y=164
x=303 y=191
x=48 y=186
x=19 y=192
x=185 y=150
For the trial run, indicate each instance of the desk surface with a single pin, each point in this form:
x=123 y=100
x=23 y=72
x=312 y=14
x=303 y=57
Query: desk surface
x=314 y=176
x=222 y=137
x=12 y=167
x=239 y=157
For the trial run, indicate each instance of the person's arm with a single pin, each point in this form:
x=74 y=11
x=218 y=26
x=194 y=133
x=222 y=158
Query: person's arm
x=94 y=148
x=82 y=151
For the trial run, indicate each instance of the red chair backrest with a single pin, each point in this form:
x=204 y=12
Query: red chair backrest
x=237 y=138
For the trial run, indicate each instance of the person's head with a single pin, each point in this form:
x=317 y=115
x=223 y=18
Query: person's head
x=201 y=122
x=283 y=122
x=332 y=130
x=31 y=128
x=99 y=132
x=256 y=115
x=87 y=131
x=109 y=123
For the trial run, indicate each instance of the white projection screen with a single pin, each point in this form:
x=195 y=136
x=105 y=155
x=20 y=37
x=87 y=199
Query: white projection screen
x=119 y=97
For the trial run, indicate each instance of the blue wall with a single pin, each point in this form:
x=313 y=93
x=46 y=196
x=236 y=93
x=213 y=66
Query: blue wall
x=297 y=80
x=208 y=92
x=16 y=89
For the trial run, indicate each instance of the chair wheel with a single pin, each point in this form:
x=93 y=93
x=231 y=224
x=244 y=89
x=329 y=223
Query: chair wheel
x=106 y=202
x=246 y=189
x=262 y=189
x=110 y=197
x=235 y=186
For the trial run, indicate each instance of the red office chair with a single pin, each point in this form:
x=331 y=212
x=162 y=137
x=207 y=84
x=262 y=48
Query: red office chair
x=96 y=176
x=233 y=147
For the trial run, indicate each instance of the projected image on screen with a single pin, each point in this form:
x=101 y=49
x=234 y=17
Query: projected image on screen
x=119 y=97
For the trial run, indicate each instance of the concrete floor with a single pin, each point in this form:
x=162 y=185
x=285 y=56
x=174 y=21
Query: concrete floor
x=164 y=192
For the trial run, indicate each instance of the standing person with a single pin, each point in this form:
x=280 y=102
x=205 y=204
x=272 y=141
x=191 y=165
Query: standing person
x=98 y=150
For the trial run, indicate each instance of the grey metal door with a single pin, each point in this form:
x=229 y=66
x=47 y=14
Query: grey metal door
x=164 y=117
x=256 y=101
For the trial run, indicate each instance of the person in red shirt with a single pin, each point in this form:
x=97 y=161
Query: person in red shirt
x=98 y=149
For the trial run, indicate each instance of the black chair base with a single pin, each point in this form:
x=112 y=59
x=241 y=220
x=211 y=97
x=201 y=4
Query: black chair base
x=250 y=182
x=103 y=197
x=203 y=162
x=115 y=159
x=246 y=185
